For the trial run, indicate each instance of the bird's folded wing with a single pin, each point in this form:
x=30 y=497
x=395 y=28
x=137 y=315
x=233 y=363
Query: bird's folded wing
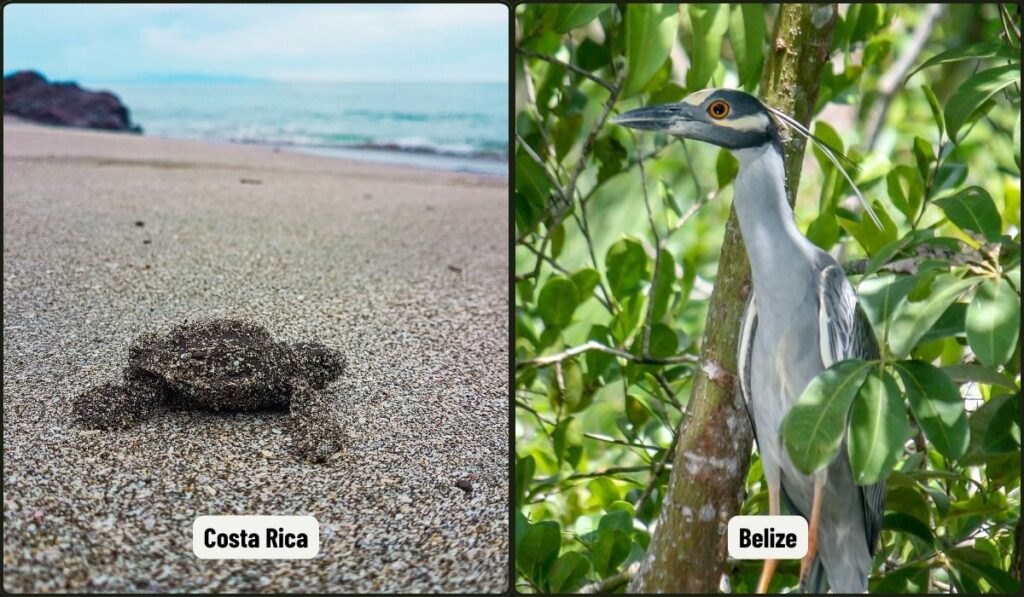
x=748 y=325
x=845 y=333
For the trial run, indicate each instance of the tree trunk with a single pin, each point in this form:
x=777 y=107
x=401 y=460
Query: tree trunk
x=688 y=551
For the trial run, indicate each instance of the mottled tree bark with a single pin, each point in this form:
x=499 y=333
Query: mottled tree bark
x=688 y=551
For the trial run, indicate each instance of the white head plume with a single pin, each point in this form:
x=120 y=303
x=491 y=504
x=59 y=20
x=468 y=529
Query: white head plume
x=833 y=156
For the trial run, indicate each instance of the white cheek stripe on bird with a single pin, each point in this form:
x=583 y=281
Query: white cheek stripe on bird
x=752 y=122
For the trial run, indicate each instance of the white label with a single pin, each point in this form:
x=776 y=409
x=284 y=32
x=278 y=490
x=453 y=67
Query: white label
x=255 y=537
x=767 y=537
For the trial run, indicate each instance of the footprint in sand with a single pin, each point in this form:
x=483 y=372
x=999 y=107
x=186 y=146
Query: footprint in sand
x=223 y=364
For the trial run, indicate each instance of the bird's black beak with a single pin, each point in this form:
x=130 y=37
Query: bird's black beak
x=655 y=118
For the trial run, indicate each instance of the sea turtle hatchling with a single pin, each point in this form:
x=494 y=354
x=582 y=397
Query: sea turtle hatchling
x=221 y=364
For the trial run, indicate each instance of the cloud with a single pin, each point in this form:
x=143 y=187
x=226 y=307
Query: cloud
x=297 y=41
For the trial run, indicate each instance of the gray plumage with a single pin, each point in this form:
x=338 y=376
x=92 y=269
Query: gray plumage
x=802 y=316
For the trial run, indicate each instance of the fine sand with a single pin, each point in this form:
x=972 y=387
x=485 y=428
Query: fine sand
x=403 y=270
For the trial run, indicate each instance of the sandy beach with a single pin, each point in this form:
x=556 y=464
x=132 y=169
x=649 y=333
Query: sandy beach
x=107 y=236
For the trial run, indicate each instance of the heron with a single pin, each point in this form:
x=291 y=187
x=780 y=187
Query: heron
x=802 y=316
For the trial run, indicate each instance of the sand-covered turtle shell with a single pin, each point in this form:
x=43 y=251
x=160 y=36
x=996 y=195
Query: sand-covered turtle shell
x=226 y=364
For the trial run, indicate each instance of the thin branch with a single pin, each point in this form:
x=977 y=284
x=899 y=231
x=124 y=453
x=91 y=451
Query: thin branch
x=689 y=213
x=665 y=387
x=857 y=267
x=612 y=582
x=594 y=345
x=588 y=144
x=645 y=345
x=570 y=67
x=615 y=470
x=660 y=466
x=892 y=80
x=1008 y=20
x=557 y=184
x=594 y=436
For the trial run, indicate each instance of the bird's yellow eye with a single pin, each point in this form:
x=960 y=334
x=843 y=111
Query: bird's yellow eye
x=718 y=109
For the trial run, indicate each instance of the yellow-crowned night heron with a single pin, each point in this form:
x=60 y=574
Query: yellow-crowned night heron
x=802 y=317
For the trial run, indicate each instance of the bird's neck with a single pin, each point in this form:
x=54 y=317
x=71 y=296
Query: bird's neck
x=781 y=258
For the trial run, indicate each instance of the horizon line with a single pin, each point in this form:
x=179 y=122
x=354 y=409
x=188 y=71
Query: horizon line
x=224 y=78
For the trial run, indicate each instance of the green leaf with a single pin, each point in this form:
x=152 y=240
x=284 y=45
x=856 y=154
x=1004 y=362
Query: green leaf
x=625 y=266
x=531 y=181
x=878 y=428
x=726 y=167
x=605 y=491
x=1002 y=435
x=557 y=240
x=612 y=156
x=933 y=104
x=826 y=133
x=567 y=441
x=570 y=397
x=521 y=526
x=881 y=296
x=617 y=519
x=650 y=31
x=989 y=49
x=610 y=550
x=571 y=16
x=664 y=342
x=538 y=549
x=669 y=93
x=911 y=320
x=813 y=429
x=993 y=322
x=623 y=507
x=557 y=302
x=977 y=564
x=950 y=323
x=973 y=209
x=636 y=411
x=905 y=523
x=963 y=373
x=568 y=571
x=566 y=130
x=869 y=22
x=885 y=254
x=709 y=23
x=525 y=468
x=974 y=92
x=824 y=230
x=746 y=37
x=937 y=406
x=924 y=155
x=586 y=280
x=906 y=190
x=980 y=421
x=870 y=236
x=665 y=283
x=597 y=361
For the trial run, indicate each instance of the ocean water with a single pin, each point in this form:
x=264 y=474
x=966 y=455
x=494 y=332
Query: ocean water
x=452 y=126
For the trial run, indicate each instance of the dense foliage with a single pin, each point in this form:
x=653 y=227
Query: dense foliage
x=618 y=237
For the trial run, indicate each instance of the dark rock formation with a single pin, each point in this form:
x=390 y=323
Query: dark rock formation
x=29 y=95
x=223 y=364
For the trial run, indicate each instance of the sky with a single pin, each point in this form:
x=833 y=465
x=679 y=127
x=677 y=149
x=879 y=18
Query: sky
x=313 y=42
